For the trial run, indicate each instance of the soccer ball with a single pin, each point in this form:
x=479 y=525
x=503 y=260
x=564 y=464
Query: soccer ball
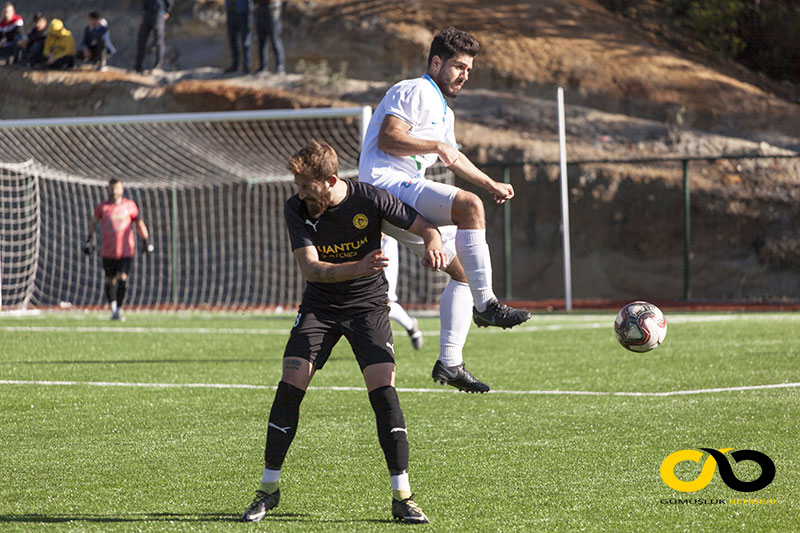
x=640 y=326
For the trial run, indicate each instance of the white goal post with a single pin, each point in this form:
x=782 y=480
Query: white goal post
x=210 y=187
x=19 y=233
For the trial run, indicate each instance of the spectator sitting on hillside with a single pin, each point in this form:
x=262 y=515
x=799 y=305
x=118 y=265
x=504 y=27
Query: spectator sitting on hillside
x=96 y=45
x=59 y=46
x=10 y=32
x=31 y=45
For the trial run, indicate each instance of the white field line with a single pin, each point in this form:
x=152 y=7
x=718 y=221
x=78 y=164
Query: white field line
x=119 y=329
x=427 y=391
x=680 y=319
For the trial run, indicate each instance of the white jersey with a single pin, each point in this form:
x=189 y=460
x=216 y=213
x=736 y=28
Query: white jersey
x=420 y=103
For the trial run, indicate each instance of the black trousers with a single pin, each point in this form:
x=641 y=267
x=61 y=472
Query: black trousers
x=268 y=31
x=63 y=62
x=9 y=50
x=151 y=23
x=239 y=31
x=32 y=55
x=98 y=52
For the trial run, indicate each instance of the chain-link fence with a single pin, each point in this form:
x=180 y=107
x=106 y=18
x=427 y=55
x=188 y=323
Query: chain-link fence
x=716 y=229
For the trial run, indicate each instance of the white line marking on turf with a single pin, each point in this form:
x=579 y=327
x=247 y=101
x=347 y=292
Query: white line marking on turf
x=110 y=329
x=361 y=389
x=681 y=319
x=684 y=319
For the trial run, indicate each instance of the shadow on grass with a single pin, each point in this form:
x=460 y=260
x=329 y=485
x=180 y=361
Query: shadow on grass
x=34 y=518
x=132 y=361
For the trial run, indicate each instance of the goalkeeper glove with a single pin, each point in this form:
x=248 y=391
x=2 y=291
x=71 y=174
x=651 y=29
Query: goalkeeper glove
x=88 y=246
x=149 y=248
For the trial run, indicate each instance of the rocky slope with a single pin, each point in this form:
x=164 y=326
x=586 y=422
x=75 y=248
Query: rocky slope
x=629 y=96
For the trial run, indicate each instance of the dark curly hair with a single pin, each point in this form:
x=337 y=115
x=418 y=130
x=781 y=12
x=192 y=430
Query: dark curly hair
x=451 y=42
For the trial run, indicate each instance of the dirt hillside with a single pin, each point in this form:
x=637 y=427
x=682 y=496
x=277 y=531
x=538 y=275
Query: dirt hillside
x=629 y=95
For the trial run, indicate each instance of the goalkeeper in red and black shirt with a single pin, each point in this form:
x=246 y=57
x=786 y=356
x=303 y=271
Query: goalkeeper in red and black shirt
x=335 y=231
x=117 y=217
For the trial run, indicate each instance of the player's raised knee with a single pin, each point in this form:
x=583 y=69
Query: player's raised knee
x=468 y=211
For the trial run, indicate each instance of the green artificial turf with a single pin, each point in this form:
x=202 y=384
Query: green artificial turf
x=146 y=426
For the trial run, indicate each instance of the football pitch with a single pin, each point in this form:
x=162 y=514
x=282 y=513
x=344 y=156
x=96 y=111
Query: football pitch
x=159 y=424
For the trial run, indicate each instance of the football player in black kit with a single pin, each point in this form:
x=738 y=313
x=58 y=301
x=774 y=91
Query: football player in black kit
x=335 y=230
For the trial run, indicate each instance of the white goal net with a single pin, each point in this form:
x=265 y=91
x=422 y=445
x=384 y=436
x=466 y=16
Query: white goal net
x=19 y=233
x=210 y=187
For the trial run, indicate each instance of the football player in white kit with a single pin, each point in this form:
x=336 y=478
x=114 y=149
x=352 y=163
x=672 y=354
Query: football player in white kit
x=411 y=128
x=396 y=311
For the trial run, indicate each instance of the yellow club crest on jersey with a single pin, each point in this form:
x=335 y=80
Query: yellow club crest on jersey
x=360 y=221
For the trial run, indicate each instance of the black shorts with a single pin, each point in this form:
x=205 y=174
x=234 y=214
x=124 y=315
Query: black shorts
x=117 y=266
x=369 y=333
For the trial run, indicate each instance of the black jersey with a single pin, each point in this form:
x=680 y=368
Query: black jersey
x=347 y=232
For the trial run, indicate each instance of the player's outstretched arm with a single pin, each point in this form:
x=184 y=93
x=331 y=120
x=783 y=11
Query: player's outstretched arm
x=434 y=257
x=466 y=170
x=394 y=138
x=323 y=272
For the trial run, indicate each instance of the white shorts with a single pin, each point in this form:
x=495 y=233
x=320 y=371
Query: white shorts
x=432 y=199
x=417 y=245
x=392 y=270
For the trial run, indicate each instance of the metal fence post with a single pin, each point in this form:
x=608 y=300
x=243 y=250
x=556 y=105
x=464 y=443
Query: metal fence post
x=174 y=221
x=687 y=286
x=507 y=236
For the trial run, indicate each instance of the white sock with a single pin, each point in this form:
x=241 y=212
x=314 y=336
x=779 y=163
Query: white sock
x=271 y=476
x=113 y=306
x=400 y=482
x=401 y=489
x=396 y=312
x=473 y=252
x=455 y=312
x=269 y=481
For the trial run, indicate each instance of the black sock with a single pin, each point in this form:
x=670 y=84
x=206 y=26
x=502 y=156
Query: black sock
x=122 y=287
x=110 y=290
x=391 y=428
x=283 y=419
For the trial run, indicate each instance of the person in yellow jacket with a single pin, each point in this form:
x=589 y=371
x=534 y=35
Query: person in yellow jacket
x=59 y=46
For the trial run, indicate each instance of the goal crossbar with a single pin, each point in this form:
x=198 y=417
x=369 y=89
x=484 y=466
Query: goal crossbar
x=210 y=186
x=184 y=149
x=211 y=116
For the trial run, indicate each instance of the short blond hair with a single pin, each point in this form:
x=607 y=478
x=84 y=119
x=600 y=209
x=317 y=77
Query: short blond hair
x=316 y=160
